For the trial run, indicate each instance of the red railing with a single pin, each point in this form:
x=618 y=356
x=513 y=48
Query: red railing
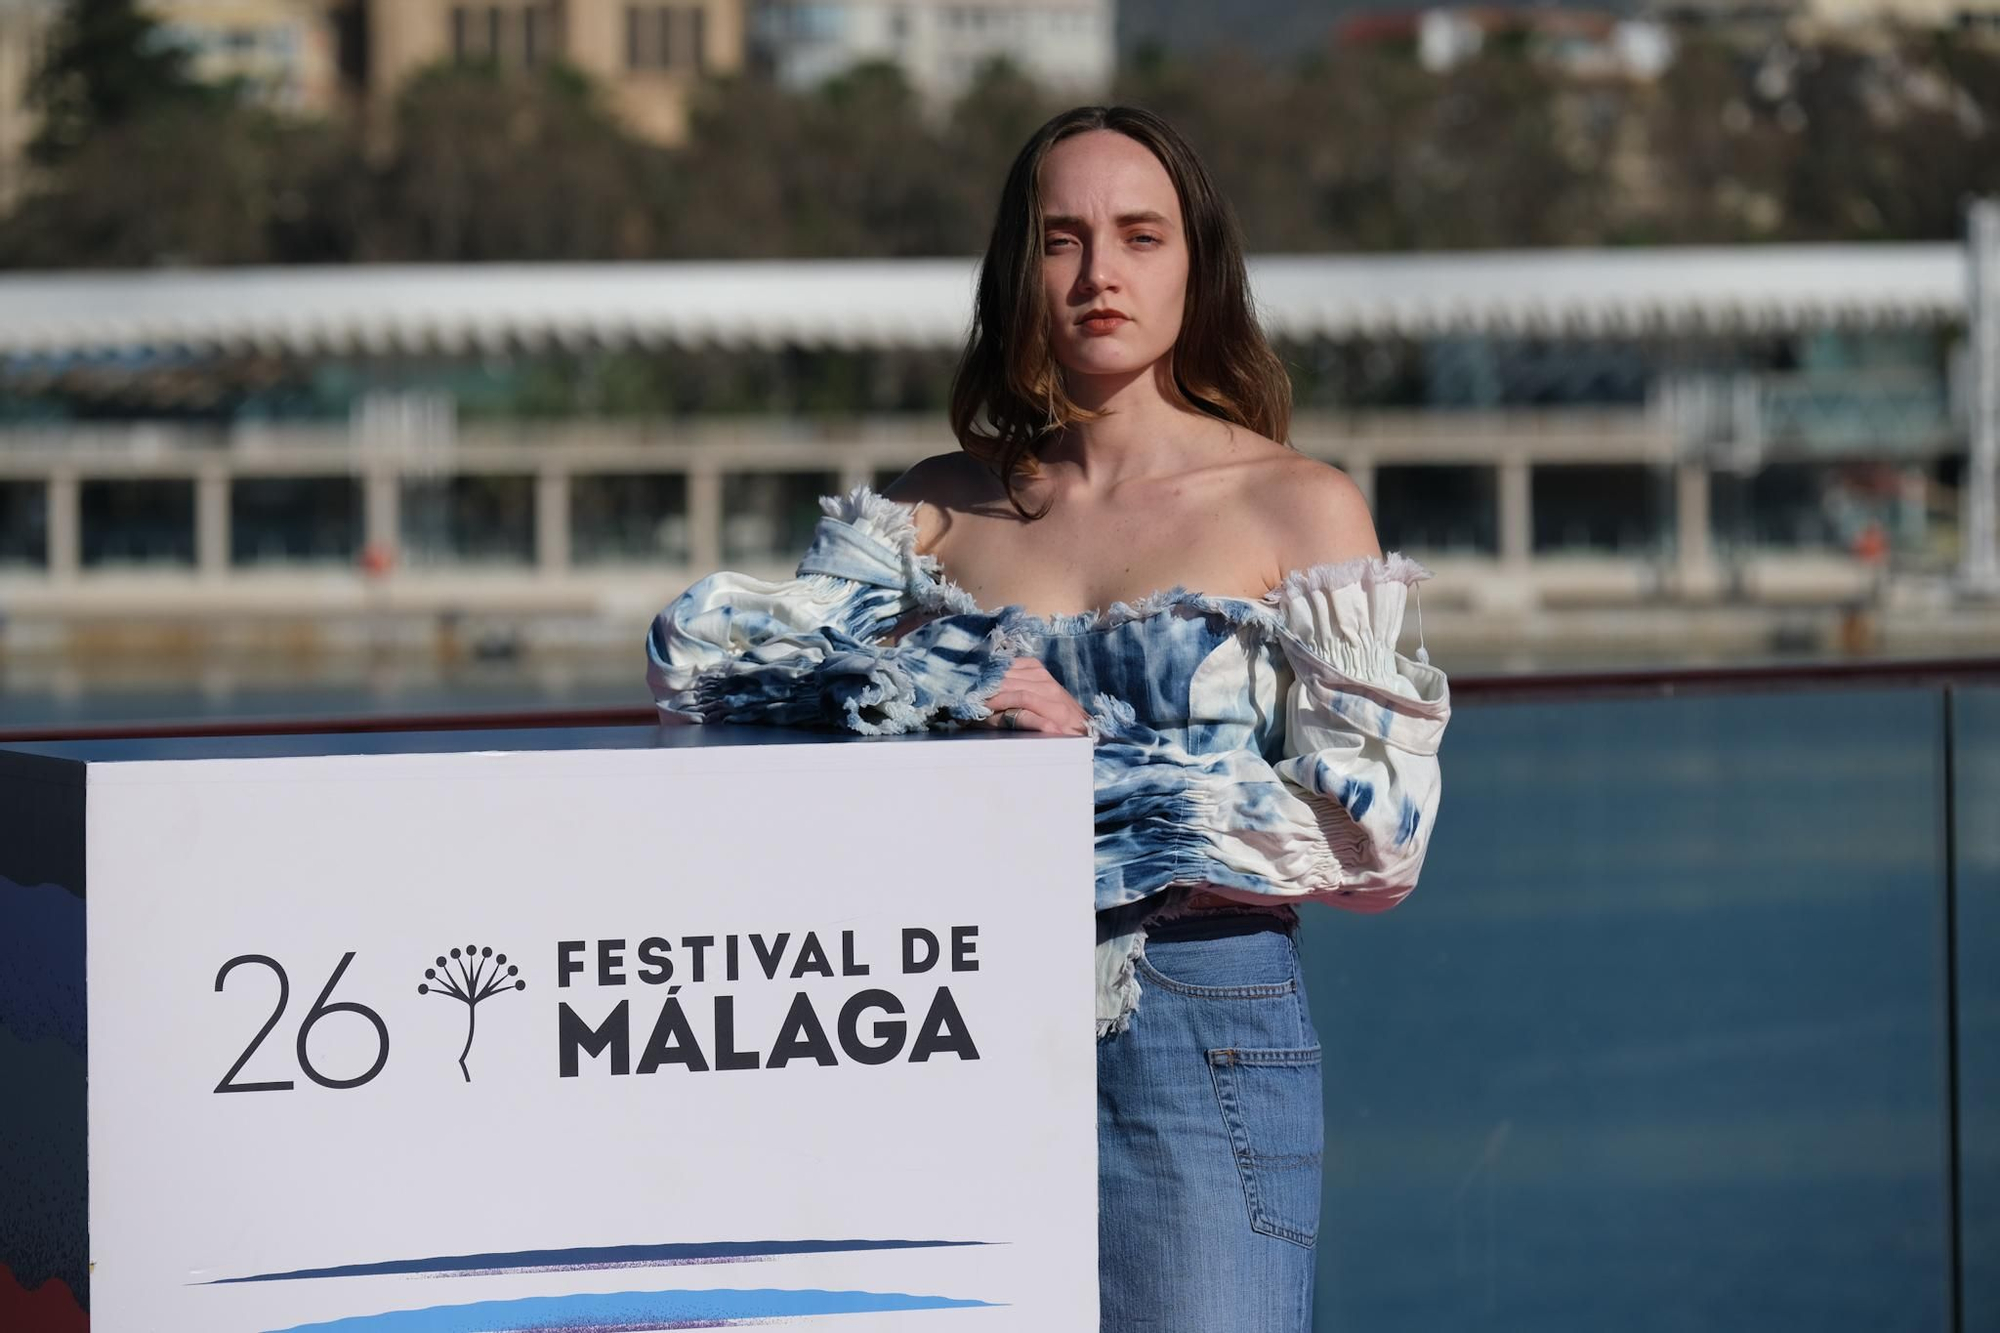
x=1470 y=689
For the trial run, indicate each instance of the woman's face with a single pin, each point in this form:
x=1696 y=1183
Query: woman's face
x=1114 y=255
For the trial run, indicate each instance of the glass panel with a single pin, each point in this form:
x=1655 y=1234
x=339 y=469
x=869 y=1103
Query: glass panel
x=281 y=520
x=1796 y=506
x=768 y=517
x=1581 y=507
x=1976 y=781
x=635 y=517
x=470 y=520
x=137 y=522
x=1438 y=509
x=24 y=524
x=1659 y=1042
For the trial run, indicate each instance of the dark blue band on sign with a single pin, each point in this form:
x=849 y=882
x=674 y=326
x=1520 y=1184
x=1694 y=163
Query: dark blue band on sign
x=593 y=1256
x=600 y=1312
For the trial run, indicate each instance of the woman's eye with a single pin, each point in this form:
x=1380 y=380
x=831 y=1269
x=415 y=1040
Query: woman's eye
x=1146 y=237
x=1058 y=242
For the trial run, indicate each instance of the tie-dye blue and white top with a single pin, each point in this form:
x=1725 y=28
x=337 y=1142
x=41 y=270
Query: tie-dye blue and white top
x=1279 y=748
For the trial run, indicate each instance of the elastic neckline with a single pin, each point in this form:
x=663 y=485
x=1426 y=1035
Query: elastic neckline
x=894 y=522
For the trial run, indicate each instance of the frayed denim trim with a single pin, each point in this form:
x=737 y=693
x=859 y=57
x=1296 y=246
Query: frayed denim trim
x=894 y=524
x=1121 y=939
x=1367 y=570
x=1004 y=648
x=894 y=707
x=1109 y=716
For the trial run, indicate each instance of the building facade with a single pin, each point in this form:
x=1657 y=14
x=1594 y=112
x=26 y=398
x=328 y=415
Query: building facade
x=648 y=56
x=1065 y=44
x=24 y=32
x=282 y=52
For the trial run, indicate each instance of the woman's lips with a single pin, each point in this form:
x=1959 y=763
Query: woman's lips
x=1103 y=324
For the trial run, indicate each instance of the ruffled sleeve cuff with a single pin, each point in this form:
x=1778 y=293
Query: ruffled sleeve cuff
x=1363 y=723
x=1340 y=624
x=812 y=650
x=872 y=540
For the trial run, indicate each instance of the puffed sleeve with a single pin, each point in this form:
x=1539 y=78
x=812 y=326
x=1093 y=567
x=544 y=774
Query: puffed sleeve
x=814 y=650
x=1362 y=724
x=1343 y=814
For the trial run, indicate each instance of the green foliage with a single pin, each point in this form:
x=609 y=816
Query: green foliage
x=108 y=65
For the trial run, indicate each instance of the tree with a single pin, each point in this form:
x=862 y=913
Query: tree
x=848 y=169
x=488 y=166
x=109 y=65
x=188 y=183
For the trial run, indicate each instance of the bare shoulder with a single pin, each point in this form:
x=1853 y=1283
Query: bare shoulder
x=939 y=486
x=1314 y=512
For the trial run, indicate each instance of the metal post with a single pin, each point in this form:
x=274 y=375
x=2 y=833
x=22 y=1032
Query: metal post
x=1981 y=570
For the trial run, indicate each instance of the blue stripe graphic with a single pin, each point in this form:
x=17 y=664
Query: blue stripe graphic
x=629 y=1311
x=595 y=1256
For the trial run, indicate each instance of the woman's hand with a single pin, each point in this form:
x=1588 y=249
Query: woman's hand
x=1029 y=699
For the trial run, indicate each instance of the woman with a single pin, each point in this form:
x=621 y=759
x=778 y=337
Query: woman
x=1258 y=742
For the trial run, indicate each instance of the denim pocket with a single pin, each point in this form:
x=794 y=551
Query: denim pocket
x=1271 y=1105
x=1225 y=960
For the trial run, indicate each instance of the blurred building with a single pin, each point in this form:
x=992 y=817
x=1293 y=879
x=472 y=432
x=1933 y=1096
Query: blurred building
x=281 y=52
x=648 y=56
x=1968 y=14
x=1064 y=44
x=1583 y=44
x=24 y=30
x=1699 y=448
x=1832 y=17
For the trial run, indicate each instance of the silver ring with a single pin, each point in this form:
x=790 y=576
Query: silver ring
x=1011 y=719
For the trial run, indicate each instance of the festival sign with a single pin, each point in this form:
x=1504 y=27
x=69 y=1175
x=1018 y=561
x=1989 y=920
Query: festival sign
x=581 y=1040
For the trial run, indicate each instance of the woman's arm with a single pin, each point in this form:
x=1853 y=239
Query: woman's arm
x=1345 y=811
x=821 y=648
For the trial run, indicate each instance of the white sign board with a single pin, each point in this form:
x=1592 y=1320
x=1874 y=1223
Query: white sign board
x=632 y=1039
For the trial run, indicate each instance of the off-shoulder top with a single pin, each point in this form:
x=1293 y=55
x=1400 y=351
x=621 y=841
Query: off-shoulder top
x=1271 y=749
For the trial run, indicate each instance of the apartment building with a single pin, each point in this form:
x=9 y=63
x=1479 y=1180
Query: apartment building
x=648 y=56
x=1066 y=44
x=282 y=52
x=24 y=32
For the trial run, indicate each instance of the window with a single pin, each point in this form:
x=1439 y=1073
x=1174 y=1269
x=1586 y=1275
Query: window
x=512 y=36
x=666 y=38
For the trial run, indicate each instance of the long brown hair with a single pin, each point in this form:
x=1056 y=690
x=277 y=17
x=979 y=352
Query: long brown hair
x=1008 y=394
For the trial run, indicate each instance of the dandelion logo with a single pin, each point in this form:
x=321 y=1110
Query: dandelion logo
x=470 y=976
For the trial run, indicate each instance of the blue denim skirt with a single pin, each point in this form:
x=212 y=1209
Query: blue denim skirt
x=1209 y=1135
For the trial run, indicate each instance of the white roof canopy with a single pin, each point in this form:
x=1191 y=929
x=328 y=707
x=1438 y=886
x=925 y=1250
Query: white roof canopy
x=927 y=303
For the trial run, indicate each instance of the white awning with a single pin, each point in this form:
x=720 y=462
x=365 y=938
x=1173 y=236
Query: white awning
x=391 y=309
